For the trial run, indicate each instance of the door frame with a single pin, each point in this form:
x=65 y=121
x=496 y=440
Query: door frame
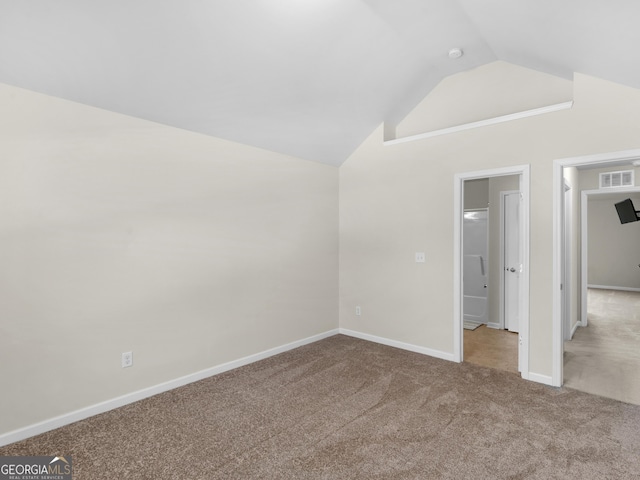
x=603 y=159
x=458 y=214
x=567 y=243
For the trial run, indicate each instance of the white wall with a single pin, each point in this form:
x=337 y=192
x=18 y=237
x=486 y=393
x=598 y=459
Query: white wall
x=395 y=200
x=118 y=234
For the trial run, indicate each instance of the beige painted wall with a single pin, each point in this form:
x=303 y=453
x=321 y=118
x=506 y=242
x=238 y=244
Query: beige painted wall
x=476 y=194
x=118 y=234
x=584 y=179
x=395 y=200
x=519 y=89
x=613 y=248
x=589 y=178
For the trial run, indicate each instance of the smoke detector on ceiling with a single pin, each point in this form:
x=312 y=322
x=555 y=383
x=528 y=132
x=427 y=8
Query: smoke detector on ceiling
x=455 y=53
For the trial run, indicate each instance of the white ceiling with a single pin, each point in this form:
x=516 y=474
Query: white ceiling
x=309 y=78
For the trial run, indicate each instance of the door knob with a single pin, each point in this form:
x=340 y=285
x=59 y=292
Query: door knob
x=512 y=270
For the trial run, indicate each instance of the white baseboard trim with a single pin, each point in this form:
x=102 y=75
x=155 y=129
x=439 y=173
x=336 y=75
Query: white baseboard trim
x=609 y=287
x=394 y=343
x=575 y=327
x=72 y=417
x=493 y=325
x=544 y=379
x=533 y=377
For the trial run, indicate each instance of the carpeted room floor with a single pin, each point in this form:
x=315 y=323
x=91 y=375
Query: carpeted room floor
x=344 y=408
x=603 y=358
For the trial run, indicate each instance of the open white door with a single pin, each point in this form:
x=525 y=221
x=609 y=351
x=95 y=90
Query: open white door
x=512 y=261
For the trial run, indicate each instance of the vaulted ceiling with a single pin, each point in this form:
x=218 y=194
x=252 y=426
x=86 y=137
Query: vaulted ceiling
x=309 y=78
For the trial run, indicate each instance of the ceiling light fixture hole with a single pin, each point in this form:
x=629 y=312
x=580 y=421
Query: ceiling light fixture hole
x=455 y=53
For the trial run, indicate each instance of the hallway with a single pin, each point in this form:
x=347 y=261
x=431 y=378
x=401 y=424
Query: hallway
x=604 y=357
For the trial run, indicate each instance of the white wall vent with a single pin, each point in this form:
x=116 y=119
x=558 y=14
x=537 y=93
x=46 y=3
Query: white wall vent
x=617 y=179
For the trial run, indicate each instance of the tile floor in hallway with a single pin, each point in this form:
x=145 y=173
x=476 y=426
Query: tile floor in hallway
x=491 y=347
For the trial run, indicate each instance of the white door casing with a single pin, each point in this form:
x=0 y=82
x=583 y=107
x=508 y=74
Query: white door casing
x=567 y=240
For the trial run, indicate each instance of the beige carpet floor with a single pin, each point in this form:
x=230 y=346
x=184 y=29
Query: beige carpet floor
x=604 y=357
x=344 y=408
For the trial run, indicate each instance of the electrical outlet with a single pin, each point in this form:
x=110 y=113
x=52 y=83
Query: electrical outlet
x=127 y=359
x=420 y=257
x=358 y=310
